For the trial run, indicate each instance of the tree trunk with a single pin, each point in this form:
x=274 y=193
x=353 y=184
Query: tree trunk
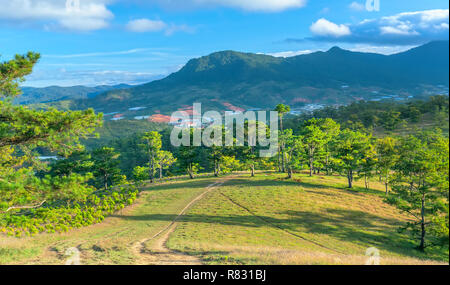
x=105 y=180
x=253 y=170
x=290 y=173
x=386 y=183
x=281 y=123
x=422 y=225
x=151 y=168
x=311 y=162
x=283 y=164
x=350 y=179
x=279 y=159
x=160 y=173
x=216 y=168
x=327 y=162
x=190 y=171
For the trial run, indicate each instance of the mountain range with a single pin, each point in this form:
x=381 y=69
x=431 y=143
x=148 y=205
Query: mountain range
x=246 y=80
x=33 y=95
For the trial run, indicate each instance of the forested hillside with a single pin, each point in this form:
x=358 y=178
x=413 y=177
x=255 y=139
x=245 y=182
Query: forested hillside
x=49 y=94
x=334 y=77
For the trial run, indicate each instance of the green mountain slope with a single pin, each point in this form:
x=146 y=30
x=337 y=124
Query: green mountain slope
x=32 y=95
x=252 y=80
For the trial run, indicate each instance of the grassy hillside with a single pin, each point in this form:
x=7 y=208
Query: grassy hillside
x=111 y=241
x=270 y=220
x=261 y=220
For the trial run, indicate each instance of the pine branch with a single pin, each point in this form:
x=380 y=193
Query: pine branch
x=24 y=207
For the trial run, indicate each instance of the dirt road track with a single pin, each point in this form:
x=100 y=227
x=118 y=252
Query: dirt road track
x=154 y=251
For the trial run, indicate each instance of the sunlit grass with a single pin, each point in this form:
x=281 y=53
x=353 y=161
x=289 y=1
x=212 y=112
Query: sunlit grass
x=307 y=220
x=109 y=242
x=267 y=219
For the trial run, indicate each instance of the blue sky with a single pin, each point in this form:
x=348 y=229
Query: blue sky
x=93 y=42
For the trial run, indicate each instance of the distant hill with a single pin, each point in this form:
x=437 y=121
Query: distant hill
x=32 y=95
x=260 y=81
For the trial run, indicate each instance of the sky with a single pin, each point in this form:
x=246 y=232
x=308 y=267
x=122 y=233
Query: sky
x=98 y=42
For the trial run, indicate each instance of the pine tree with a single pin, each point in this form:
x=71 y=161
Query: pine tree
x=420 y=185
x=23 y=130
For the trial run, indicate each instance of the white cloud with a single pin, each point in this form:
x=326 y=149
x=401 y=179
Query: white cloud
x=248 y=5
x=403 y=30
x=146 y=25
x=443 y=26
x=79 y=15
x=97 y=54
x=261 y=5
x=63 y=77
x=409 y=21
x=289 y=53
x=409 y=28
x=386 y=50
x=323 y=27
x=356 y=6
x=179 y=28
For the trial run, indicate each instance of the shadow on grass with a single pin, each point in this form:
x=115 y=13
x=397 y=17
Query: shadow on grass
x=249 y=182
x=352 y=226
x=302 y=183
x=218 y=257
x=173 y=185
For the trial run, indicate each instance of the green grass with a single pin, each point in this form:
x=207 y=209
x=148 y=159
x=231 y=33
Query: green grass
x=262 y=220
x=109 y=242
x=270 y=220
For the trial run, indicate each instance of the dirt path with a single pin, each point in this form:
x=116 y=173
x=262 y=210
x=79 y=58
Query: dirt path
x=154 y=251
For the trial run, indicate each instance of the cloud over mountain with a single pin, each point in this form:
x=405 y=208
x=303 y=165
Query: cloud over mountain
x=408 y=28
x=325 y=28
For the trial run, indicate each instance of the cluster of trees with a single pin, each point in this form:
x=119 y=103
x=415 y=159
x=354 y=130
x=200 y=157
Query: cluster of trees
x=414 y=168
x=388 y=115
x=38 y=197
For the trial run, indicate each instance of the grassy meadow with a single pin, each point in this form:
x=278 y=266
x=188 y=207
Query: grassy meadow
x=266 y=219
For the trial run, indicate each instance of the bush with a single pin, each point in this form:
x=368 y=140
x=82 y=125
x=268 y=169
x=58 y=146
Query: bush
x=61 y=219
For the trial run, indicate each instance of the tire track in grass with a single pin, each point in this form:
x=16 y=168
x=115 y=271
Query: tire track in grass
x=159 y=253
